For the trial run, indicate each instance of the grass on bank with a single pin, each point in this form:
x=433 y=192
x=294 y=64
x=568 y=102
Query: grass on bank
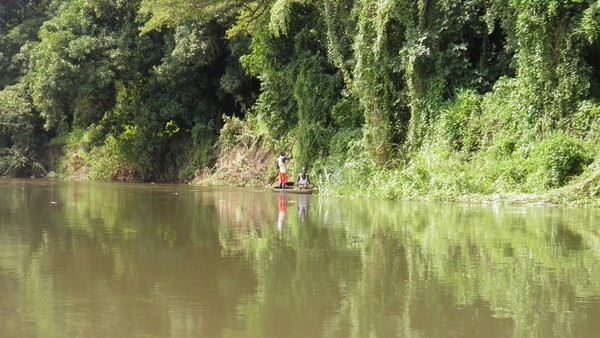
x=478 y=150
x=559 y=169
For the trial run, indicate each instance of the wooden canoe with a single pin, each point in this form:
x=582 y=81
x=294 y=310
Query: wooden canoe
x=292 y=190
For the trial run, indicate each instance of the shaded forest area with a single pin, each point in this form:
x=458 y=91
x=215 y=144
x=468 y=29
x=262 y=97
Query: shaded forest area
x=441 y=100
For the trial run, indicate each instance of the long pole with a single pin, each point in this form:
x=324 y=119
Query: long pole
x=290 y=148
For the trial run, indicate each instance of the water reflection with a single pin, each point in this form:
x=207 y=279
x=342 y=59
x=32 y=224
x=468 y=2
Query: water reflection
x=89 y=259
x=302 y=206
x=301 y=201
x=282 y=211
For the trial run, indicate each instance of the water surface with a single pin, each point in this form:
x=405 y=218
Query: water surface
x=80 y=259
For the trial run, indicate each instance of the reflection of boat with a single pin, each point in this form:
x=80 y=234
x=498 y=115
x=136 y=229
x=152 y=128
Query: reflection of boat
x=292 y=190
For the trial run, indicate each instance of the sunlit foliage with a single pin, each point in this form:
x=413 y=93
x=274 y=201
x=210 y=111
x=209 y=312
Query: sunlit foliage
x=441 y=99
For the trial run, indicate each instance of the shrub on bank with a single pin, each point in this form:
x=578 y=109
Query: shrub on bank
x=480 y=146
x=561 y=157
x=107 y=161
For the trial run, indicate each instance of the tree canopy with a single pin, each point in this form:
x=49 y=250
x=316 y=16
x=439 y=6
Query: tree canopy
x=375 y=87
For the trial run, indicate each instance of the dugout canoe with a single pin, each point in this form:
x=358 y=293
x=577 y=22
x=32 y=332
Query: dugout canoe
x=292 y=190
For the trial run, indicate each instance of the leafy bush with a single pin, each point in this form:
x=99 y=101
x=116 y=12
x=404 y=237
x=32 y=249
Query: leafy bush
x=501 y=167
x=230 y=133
x=438 y=173
x=561 y=156
x=512 y=108
x=460 y=121
x=349 y=178
x=203 y=139
x=587 y=186
x=136 y=150
x=108 y=163
x=585 y=122
x=347 y=114
x=187 y=173
x=114 y=159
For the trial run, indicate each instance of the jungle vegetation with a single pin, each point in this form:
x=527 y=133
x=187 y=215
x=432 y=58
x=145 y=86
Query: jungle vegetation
x=439 y=99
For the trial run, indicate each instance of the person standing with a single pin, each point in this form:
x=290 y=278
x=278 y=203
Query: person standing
x=282 y=167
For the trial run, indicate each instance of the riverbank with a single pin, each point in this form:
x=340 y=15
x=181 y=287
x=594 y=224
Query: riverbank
x=575 y=194
x=246 y=157
x=412 y=182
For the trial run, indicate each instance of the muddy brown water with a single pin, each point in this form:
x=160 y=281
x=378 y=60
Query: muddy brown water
x=82 y=259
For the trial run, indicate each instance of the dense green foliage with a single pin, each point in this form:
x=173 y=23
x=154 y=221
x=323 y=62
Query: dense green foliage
x=126 y=104
x=395 y=99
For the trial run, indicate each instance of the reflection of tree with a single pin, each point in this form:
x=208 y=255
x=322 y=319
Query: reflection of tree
x=507 y=260
x=157 y=261
x=114 y=260
x=412 y=269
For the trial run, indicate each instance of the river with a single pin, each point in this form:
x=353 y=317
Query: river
x=84 y=259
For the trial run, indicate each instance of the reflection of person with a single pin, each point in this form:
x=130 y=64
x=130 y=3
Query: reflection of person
x=302 y=203
x=282 y=211
x=302 y=181
x=281 y=165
